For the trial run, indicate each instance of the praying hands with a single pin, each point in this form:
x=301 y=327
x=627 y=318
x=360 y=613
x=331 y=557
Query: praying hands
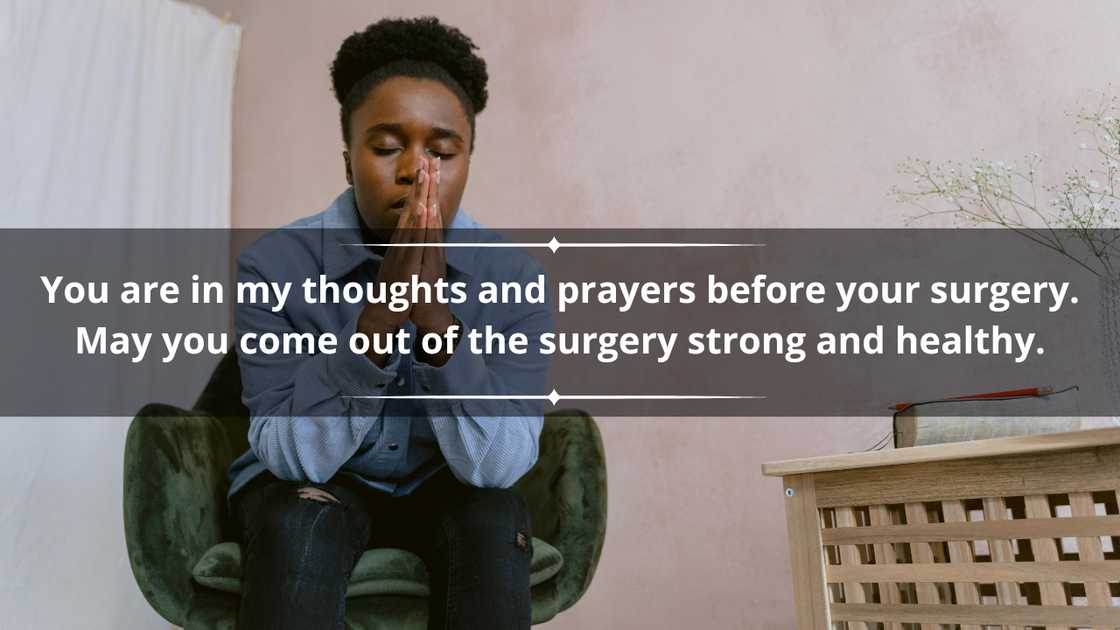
x=420 y=223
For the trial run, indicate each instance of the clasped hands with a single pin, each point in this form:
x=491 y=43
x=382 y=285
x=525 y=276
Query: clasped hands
x=420 y=223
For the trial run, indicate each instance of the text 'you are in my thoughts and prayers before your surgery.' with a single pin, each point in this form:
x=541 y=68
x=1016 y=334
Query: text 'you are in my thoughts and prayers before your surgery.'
x=997 y=296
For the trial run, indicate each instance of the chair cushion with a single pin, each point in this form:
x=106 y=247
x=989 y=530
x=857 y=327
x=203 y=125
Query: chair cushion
x=378 y=572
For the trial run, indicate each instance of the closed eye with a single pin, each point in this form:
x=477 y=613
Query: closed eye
x=432 y=152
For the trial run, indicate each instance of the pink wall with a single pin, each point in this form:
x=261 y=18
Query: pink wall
x=738 y=114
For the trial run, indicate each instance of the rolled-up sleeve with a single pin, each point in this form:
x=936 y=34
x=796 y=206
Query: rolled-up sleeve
x=303 y=425
x=490 y=442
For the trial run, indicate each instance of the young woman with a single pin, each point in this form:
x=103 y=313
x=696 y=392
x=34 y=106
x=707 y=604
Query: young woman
x=337 y=466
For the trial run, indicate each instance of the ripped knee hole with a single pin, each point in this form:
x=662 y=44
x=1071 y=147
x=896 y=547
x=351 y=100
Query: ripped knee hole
x=317 y=494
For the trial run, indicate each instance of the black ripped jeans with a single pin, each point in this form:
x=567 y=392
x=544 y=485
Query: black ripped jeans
x=298 y=552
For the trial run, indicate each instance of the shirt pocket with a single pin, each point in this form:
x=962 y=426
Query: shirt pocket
x=372 y=437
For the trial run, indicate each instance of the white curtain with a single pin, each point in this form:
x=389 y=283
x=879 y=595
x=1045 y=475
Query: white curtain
x=113 y=113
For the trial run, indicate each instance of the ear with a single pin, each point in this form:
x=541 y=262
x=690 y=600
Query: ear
x=346 y=159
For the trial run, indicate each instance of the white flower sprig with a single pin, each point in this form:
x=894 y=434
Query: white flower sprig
x=995 y=193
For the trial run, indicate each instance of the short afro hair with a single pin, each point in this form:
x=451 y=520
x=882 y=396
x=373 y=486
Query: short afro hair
x=421 y=48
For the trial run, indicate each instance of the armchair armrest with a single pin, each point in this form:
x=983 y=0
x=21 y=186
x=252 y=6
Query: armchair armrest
x=567 y=496
x=175 y=487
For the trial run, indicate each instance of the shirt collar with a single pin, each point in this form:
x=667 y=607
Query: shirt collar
x=341 y=228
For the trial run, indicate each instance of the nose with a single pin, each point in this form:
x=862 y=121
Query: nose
x=410 y=162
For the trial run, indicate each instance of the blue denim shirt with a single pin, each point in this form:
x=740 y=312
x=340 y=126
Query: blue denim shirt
x=303 y=426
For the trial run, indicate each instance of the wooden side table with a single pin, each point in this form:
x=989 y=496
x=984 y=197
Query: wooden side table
x=1010 y=532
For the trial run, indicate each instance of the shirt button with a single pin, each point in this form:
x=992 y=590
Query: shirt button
x=400 y=381
x=394 y=446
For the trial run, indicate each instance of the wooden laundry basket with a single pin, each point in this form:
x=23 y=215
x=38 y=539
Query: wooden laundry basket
x=1015 y=532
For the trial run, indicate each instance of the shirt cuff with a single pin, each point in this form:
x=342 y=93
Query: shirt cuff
x=356 y=374
x=464 y=373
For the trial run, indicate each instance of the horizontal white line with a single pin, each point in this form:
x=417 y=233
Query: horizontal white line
x=550 y=397
x=556 y=246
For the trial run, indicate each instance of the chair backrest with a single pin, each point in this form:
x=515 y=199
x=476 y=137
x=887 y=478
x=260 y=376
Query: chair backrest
x=221 y=398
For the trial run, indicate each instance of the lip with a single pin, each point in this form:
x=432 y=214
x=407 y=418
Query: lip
x=399 y=204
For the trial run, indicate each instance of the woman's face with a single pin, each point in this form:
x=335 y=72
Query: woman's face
x=402 y=121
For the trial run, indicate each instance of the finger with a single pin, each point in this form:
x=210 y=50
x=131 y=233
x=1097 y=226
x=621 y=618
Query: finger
x=418 y=218
x=435 y=257
x=435 y=217
x=406 y=215
x=435 y=265
x=420 y=190
x=404 y=229
x=433 y=189
x=416 y=196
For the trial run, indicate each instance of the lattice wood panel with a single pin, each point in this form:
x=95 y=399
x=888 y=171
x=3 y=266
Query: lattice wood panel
x=1016 y=562
x=1015 y=533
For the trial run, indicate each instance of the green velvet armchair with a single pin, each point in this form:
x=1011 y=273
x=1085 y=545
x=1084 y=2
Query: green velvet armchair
x=176 y=521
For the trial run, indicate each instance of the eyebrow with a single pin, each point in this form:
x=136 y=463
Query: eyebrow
x=437 y=132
